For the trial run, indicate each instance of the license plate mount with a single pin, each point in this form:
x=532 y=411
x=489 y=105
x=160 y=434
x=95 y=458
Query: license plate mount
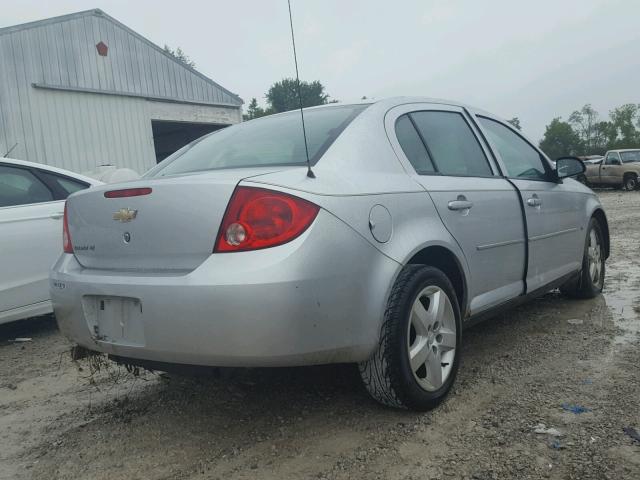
x=117 y=320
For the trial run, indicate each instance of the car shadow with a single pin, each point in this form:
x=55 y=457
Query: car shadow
x=27 y=328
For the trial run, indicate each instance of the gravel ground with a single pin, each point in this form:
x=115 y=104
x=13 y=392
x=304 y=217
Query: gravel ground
x=60 y=419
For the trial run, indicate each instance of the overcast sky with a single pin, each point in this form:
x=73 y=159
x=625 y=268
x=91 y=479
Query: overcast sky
x=535 y=60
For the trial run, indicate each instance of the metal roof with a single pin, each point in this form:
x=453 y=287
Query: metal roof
x=100 y=14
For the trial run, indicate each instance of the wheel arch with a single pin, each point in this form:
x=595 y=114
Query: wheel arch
x=601 y=217
x=445 y=260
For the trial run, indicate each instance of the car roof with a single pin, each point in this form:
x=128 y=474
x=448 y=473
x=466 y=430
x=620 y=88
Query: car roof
x=48 y=168
x=391 y=102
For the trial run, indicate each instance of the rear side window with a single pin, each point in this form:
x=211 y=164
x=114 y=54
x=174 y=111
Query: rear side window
x=443 y=143
x=520 y=159
x=452 y=144
x=412 y=145
x=632 y=156
x=272 y=140
x=18 y=186
x=65 y=186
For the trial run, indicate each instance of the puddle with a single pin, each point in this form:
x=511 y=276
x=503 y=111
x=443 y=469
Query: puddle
x=623 y=300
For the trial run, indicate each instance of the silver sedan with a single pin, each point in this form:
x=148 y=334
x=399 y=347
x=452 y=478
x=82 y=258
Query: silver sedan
x=420 y=217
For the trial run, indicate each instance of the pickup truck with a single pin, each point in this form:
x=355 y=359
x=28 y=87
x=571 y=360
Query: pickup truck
x=618 y=168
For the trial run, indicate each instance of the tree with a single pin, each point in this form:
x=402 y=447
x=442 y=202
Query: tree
x=515 y=121
x=254 y=110
x=560 y=139
x=591 y=132
x=283 y=95
x=623 y=121
x=584 y=134
x=179 y=55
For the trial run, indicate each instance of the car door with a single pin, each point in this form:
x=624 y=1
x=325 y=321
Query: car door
x=30 y=236
x=592 y=172
x=611 y=171
x=479 y=208
x=554 y=222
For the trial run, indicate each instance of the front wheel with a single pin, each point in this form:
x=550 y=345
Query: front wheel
x=417 y=358
x=591 y=279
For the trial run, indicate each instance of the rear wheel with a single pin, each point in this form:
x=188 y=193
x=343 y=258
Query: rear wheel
x=417 y=358
x=630 y=182
x=591 y=279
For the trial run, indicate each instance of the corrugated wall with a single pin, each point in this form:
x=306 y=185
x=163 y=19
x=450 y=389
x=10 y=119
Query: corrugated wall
x=81 y=130
x=87 y=130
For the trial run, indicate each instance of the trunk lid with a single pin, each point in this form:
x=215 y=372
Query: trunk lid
x=172 y=229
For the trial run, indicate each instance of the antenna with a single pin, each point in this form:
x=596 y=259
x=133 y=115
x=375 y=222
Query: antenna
x=310 y=173
x=11 y=150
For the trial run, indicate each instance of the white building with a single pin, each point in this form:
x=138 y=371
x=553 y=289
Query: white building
x=83 y=90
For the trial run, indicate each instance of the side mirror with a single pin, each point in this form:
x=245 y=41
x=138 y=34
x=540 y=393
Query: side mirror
x=569 y=167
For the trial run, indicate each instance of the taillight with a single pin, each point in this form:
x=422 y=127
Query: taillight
x=66 y=237
x=258 y=218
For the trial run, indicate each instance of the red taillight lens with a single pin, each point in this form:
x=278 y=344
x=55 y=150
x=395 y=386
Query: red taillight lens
x=259 y=218
x=127 y=192
x=66 y=237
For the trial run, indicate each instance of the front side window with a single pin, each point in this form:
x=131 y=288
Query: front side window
x=18 y=186
x=451 y=144
x=613 y=158
x=272 y=140
x=520 y=159
x=631 y=156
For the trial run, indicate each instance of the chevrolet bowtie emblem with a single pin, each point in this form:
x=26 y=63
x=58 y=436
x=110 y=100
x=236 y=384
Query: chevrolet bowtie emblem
x=125 y=215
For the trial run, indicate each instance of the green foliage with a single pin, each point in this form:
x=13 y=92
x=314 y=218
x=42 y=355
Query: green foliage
x=255 y=111
x=624 y=120
x=585 y=134
x=283 y=95
x=590 y=131
x=179 y=55
x=515 y=121
x=560 y=140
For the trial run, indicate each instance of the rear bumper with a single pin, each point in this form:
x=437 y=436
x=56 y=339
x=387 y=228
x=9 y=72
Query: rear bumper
x=318 y=299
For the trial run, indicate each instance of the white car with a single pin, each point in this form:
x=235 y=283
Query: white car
x=32 y=199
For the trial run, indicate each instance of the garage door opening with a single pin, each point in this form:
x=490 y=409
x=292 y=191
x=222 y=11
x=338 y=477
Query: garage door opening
x=171 y=136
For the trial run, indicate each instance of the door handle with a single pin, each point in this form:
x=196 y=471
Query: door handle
x=534 y=201
x=460 y=204
x=56 y=216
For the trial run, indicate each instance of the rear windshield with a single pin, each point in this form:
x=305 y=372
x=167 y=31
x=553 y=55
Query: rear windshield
x=628 y=157
x=272 y=140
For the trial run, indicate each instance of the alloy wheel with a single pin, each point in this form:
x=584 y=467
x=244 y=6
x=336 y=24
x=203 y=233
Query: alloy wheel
x=431 y=338
x=594 y=252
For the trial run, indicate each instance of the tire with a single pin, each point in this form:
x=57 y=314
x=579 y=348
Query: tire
x=630 y=182
x=432 y=333
x=590 y=281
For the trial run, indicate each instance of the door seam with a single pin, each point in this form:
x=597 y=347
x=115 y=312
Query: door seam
x=526 y=236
